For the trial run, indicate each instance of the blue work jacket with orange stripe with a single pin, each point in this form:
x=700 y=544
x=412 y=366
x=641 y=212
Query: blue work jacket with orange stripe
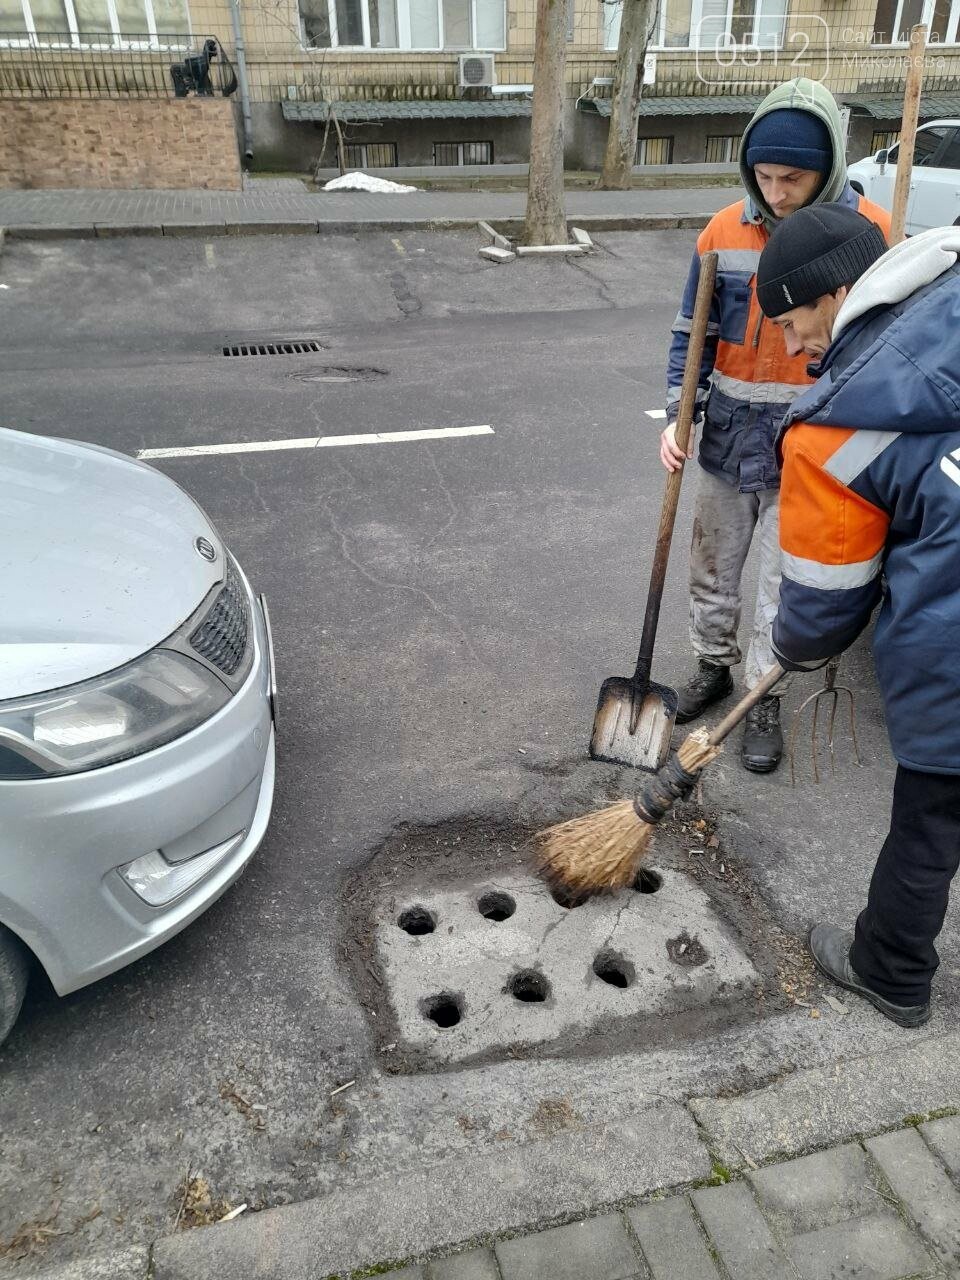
x=870 y=497
x=747 y=380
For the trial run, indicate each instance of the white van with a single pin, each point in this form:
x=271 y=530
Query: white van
x=934 y=184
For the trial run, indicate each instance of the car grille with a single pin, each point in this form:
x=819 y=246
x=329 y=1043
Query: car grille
x=221 y=637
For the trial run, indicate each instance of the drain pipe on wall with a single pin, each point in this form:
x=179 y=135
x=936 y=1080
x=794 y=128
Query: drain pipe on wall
x=242 y=80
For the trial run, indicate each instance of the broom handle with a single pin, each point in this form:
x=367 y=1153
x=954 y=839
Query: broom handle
x=671 y=496
x=733 y=718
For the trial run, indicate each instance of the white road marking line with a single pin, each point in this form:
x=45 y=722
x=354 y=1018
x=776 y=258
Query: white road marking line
x=318 y=442
x=210 y=255
x=655 y=413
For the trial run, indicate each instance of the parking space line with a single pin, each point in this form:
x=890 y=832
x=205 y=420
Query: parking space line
x=318 y=442
x=655 y=413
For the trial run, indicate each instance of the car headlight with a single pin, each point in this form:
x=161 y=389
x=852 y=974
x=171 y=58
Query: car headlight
x=125 y=713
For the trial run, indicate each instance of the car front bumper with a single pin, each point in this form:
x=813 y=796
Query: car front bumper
x=63 y=839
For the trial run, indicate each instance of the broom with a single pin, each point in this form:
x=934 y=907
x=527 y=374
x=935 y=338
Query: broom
x=602 y=850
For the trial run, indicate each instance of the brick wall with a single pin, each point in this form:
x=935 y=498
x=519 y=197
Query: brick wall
x=132 y=143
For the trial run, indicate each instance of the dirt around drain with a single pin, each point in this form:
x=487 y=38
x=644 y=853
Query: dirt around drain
x=686 y=951
x=460 y=954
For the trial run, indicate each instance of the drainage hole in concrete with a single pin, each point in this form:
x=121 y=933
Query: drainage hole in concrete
x=647 y=881
x=445 y=1009
x=612 y=968
x=529 y=986
x=496 y=906
x=417 y=921
x=686 y=951
x=566 y=898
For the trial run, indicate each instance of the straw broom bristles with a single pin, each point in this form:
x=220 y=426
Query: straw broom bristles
x=602 y=850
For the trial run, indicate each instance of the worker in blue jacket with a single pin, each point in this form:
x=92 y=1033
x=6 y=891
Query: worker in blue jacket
x=870 y=515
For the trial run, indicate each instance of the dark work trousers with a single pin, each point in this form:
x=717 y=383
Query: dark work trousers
x=893 y=951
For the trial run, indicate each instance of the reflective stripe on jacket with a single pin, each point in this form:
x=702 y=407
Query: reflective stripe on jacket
x=870 y=512
x=747 y=380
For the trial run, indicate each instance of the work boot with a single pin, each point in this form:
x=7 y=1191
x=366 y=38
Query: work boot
x=709 y=685
x=830 y=948
x=762 y=738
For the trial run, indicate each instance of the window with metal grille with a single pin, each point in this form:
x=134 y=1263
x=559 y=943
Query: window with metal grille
x=883 y=138
x=461 y=153
x=654 y=151
x=722 y=148
x=370 y=155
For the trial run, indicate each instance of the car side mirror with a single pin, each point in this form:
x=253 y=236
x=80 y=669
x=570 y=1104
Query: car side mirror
x=881 y=159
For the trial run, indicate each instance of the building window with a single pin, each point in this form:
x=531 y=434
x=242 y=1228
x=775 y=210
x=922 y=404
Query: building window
x=722 y=148
x=148 y=24
x=654 y=151
x=460 y=153
x=883 y=139
x=402 y=24
x=370 y=155
x=894 y=18
x=708 y=24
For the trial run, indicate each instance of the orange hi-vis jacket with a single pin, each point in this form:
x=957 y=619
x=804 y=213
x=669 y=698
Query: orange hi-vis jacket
x=747 y=380
x=870 y=503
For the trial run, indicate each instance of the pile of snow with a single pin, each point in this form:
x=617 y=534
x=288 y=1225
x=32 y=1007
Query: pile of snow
x=365 y=182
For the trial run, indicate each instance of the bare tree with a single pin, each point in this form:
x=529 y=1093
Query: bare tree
x=546 y=221
x=637 y=23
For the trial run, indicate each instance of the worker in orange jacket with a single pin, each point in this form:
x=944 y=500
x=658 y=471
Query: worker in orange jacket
x=871 y=516
x=792 y=155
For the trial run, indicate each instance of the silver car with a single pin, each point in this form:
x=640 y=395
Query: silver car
x=136 y=713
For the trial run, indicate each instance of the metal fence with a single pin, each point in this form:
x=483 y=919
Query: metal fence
x=132 y=65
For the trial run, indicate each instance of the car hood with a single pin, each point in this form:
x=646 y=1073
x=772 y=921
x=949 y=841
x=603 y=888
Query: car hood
x=97 y=561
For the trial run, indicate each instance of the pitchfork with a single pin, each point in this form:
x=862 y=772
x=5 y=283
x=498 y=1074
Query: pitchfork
x=830 y=690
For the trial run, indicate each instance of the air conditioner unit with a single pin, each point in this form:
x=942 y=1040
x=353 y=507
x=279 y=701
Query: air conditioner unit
x=477 y=71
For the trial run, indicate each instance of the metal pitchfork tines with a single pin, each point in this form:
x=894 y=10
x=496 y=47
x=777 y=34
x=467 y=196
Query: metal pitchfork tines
x=830 y=690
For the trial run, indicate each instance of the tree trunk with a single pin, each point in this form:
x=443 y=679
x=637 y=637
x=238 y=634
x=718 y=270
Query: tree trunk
x=636 y=27
x=546 y=221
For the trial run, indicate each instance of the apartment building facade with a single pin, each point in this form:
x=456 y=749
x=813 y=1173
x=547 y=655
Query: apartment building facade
x=395 y=83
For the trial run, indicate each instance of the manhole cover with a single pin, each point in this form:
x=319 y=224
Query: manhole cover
x=492 y=966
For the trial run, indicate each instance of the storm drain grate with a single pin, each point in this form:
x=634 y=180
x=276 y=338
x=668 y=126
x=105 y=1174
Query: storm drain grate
x=303 y=348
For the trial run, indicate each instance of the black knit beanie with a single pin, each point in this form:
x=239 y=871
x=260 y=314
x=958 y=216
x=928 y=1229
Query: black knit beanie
x=813 y=252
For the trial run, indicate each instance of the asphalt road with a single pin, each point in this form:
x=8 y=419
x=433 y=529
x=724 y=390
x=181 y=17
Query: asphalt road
x=444 y=612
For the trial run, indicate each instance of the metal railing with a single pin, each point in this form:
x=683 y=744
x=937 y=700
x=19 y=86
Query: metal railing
x=130 y=65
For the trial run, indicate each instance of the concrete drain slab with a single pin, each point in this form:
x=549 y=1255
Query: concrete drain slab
x=501 y=965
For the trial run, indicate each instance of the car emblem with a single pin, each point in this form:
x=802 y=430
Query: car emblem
x=206 y=549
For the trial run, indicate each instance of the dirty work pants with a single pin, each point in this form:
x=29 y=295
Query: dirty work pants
x=893 y=951
x=725 y=522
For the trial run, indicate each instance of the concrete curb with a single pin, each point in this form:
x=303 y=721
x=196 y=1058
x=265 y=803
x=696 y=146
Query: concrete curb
x=827 y=1105
x=113 y=230
x=510 y=1190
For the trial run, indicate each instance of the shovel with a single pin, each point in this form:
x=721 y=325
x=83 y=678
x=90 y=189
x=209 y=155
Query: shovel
x=635 y=716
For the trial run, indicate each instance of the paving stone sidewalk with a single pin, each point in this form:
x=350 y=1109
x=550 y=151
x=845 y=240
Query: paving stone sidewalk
x=884 y=1209
x=285 y=208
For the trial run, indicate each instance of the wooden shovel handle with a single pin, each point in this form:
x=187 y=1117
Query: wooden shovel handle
x=908 y=133
x=671 y=495
x=733 y=718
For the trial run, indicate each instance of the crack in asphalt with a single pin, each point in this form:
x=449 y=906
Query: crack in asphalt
x=253 y=482
x=450 y=619
x=603 y=289
x=446 y=493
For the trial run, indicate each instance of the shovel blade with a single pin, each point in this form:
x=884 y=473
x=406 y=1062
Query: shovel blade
x=633 y=723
